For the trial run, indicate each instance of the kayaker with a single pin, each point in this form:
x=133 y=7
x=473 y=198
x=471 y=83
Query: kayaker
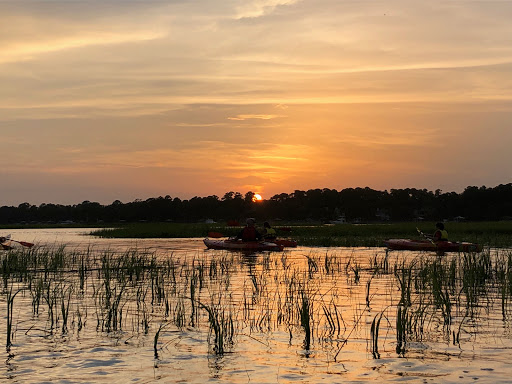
x=440 y=234
x=269 y=233
x=249 y=233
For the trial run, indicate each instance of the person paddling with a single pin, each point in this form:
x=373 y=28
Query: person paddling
x=269 y=233
x=440 y=234
x=249 y=233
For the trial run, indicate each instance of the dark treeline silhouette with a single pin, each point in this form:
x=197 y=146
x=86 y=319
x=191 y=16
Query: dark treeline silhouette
x=352 y=204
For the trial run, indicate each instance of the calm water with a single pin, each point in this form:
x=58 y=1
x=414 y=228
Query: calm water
x=303 y=315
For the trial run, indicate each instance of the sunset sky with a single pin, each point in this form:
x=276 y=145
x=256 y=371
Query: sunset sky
x=105 y=100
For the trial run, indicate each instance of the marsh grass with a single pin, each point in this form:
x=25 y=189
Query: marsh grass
x=318 y=299
x=305 y=310
x=489 y=234
x=504 y=275
x=221 y=325
x=374 y=335
x=161 y=230
x=11 y=293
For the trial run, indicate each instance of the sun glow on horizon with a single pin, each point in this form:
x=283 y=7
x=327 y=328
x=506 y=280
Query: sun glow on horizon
x=178 y=100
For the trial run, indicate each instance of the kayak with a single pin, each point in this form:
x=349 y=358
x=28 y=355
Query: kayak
x=238 y=245
x=6 y=243
x=285 y=242
x=427 y=245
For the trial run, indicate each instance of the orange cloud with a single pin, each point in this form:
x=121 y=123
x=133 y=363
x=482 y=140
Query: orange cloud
x=255 y=117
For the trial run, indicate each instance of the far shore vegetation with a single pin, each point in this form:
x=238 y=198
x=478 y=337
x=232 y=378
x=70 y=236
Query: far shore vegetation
x=358 y=216
x=363 y=205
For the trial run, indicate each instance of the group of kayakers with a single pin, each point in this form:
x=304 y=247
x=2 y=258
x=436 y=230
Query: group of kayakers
x=251 y=233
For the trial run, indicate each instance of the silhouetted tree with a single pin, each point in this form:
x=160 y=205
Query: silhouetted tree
x=364 y=204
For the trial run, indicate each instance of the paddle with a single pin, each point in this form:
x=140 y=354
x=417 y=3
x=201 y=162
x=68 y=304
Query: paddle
x=24 y=243
x=439 y=251
x=425 y=236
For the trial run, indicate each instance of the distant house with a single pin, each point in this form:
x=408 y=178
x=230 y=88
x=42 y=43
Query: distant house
x=382 y=215
x=340 y=220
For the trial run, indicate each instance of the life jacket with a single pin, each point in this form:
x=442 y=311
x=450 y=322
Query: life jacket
x=443 y=233
x=249 y=234
x=270 y=233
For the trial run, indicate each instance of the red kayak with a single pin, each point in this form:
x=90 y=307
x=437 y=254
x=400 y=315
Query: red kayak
x=285 y=242
x=238 y=245
x=427 y=245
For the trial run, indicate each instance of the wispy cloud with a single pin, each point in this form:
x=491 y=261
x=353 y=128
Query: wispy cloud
x=22 y=51
x=255 y=117
x=397 y=138
x=258 y=8
x=220 y=156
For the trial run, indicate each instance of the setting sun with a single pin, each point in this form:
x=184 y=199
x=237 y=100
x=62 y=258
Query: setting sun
x=364 y=95
x=257 y=197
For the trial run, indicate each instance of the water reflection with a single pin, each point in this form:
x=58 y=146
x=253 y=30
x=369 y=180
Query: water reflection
x=127 y=310
x=250 y=260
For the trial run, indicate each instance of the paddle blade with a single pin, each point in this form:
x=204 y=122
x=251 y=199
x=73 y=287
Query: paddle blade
x=215 y=235
x=24 y=243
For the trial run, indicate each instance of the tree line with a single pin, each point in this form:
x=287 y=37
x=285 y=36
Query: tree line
x=351 y=204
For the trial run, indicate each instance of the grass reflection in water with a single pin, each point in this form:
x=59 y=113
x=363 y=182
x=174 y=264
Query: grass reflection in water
x=395 y=303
